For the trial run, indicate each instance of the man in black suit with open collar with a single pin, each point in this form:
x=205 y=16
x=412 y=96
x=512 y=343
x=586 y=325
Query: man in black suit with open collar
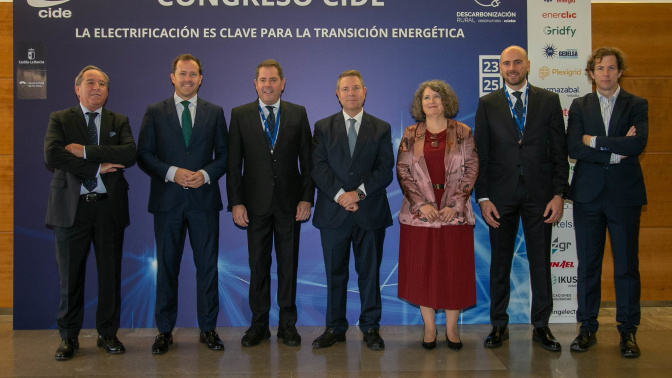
x=270 y=193
x=607 y=131
x=522 y=149
x=352 y=164
x=182 y=147
x=87 y=147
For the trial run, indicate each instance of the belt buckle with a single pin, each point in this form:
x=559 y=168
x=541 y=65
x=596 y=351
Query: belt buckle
x=90 y=197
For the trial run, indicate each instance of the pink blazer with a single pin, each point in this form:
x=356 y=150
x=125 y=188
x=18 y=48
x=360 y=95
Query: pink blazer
x=461 y=162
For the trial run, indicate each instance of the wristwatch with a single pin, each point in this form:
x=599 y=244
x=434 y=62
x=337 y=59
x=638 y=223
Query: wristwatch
x=360 y=194
x=563 y=195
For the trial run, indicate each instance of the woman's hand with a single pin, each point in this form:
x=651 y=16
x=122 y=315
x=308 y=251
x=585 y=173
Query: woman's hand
x=430 y=212
x=447 y=214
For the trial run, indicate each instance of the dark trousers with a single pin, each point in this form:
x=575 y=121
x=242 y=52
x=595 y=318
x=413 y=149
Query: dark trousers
x=538 y=243
x=92 y=224
x=170 y=230
x=367 y=246
x=592 y=220
x=262 y=231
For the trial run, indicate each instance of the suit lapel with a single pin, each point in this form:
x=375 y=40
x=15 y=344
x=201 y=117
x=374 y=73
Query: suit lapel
x=255 y=124
x=365 y=133
x=505 y=114
x=595 y=125
x=619 y=105
x=342 y=136
x=80 y=121
x=105 y=127
x=285 y=116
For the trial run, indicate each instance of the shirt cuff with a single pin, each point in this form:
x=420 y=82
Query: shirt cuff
x=592 y=142
x=341 y=191
x=483 y=199
x=206 y=178
x=170 y=175
x=615 y=159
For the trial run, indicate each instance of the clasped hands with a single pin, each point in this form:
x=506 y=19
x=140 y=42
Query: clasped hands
x=189 y=179
x=349 y=201
x=78 y=150
x=432 y=213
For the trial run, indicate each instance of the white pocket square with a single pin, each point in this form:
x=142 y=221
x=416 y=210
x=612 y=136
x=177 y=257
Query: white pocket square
x=112 y=133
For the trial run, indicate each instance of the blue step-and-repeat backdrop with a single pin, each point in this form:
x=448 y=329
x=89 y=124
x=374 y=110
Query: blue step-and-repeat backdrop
x=395 y=44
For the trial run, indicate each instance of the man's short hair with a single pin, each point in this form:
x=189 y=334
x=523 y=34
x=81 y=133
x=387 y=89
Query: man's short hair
x=600 y=53
x=184 y=57
x=448 y=99
x=269 y=63
x=349 y=73
x=80 y=76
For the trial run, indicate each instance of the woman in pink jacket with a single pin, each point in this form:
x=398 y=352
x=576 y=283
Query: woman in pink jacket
x=437 y=167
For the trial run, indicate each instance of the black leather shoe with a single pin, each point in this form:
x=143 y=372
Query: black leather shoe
x=454 y=346
x=373 y=340
x=544 y=336
x=327 y=339
x=254 y=335
x=111 y=344
x=211 y=338
x=289 y=336
x=495 y=338
x=162 y=342
x=628 y=345
x=67 y=349
x=430 y=345
x=584 y=340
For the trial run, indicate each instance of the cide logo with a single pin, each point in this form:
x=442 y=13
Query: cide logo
x=50 y=12
x=559 y=246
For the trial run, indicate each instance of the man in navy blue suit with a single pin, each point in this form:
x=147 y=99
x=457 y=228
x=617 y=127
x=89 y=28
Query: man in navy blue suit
x=182 y=147
x=352 y=164
x=607 y=131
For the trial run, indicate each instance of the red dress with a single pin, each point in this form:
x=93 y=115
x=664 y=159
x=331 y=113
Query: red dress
x=436 y=265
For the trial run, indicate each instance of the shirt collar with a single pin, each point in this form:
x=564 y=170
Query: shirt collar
x=179 y=99
x=611 y=99
x=263 y=106
x=85 y=110
x=357 y=117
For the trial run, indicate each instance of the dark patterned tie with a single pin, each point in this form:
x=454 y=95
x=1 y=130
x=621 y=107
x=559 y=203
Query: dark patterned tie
x=93 y=139
x=519 y=109
x=352 y=135
x=186 y=123
x=270 y=121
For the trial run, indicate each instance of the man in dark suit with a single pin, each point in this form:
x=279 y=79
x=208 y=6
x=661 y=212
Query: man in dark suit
x=352 y=165
x=520 y=136
x=270 y=193
x=607 y=131
x=184 y=163
x=87 y=147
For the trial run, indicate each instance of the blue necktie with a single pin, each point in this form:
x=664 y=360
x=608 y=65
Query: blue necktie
x=352 y=135
x=270 y=121
x=93 y=139
x=518 y=107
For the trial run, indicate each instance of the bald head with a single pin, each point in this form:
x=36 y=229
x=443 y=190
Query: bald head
x=514 y=67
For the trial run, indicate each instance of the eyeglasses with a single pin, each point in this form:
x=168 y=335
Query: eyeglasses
x=435 y=142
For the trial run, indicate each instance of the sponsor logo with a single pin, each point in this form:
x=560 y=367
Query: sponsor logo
x=561 y=1
x=564 y=280
x=32 y=55
x=559 y=30
x=22 y=82
x=545 y=72
x=550 y=52
x=562 y=264
x=45 y=3
x=564 y=312
x=558 y=15
x=564 y=223
x=488 y=3
x=559 y=246
x=563 y=297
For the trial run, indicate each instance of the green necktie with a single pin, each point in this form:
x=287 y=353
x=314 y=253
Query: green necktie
x=186 y=123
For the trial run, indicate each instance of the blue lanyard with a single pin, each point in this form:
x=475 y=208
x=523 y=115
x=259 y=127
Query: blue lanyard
x=520 y=122
x=277 y=123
